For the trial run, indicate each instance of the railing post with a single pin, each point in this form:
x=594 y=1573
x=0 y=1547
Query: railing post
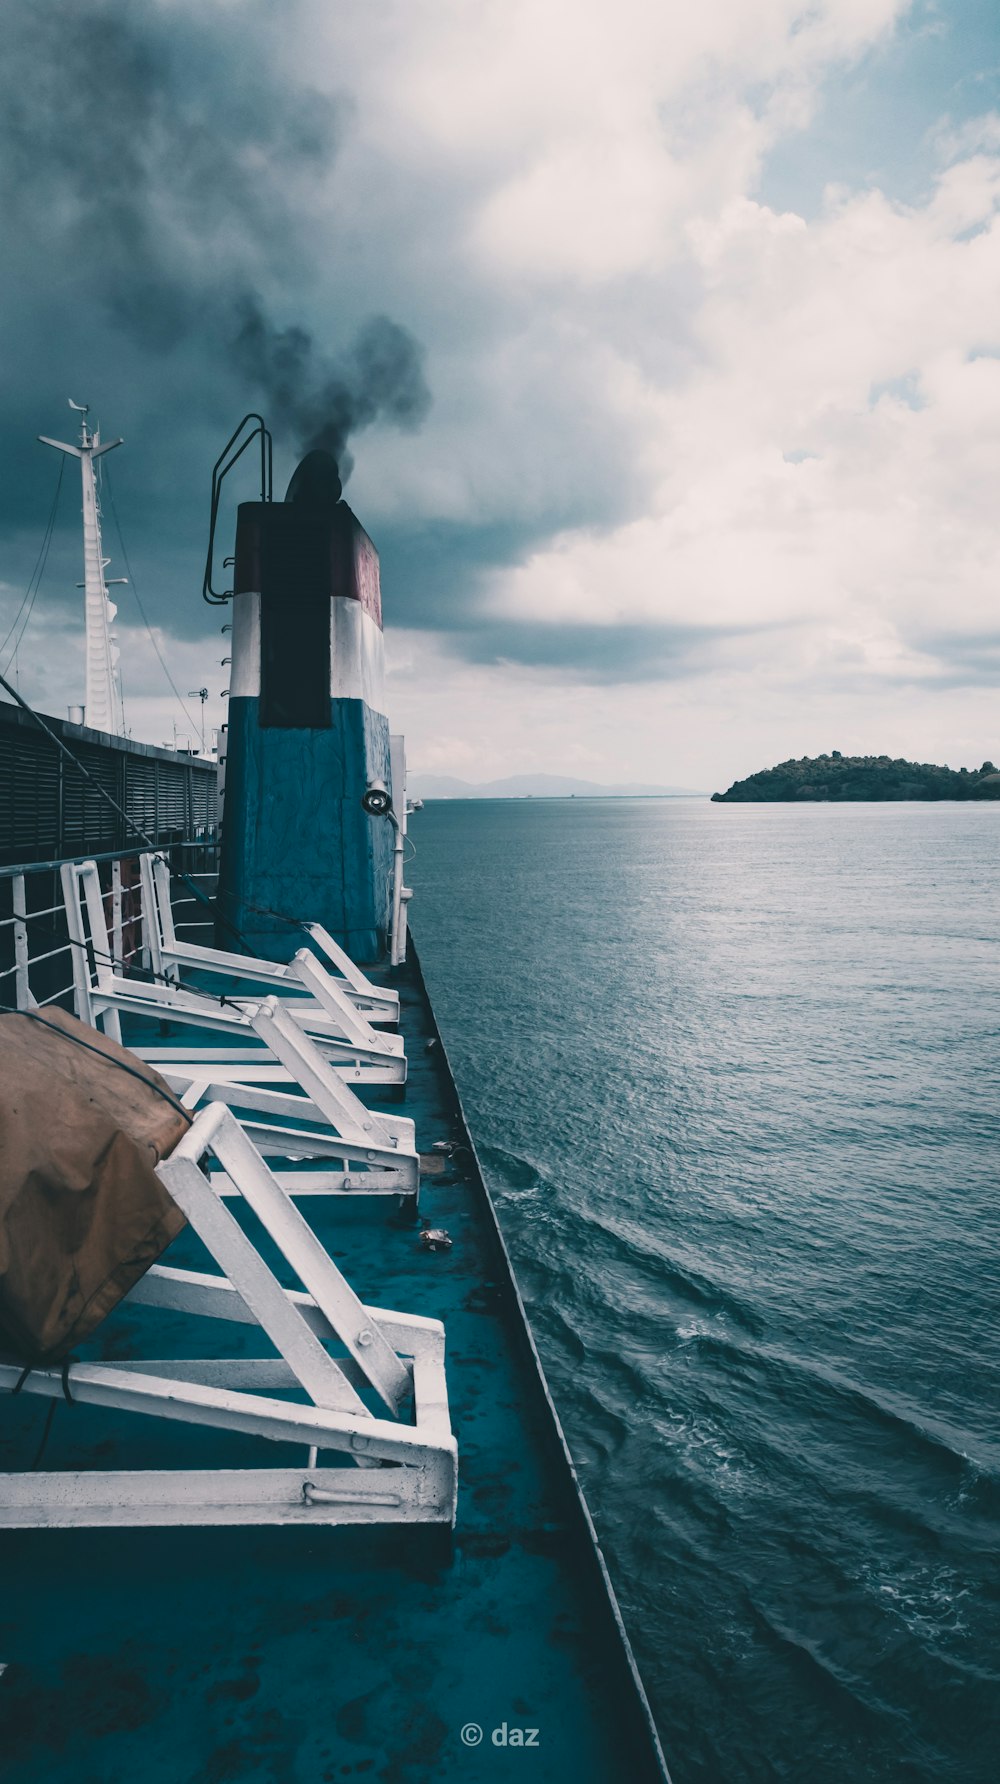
x=117 y=941
x=22 y=994
x=400 y=893
x=60 y=848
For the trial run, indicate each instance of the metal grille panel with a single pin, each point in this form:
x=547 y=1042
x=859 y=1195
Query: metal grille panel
x=49 y=811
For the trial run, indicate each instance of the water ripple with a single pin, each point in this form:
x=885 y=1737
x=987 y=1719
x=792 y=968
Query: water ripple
x=732 y=1073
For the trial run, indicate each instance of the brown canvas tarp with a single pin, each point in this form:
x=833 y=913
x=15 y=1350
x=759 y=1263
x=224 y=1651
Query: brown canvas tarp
x=82 y=1212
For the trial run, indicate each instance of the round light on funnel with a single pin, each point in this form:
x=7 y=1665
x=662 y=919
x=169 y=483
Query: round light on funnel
x=376 y=799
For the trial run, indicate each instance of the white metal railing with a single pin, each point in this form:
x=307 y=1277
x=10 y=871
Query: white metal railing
x=188 y=901
x=36 y=946
x=401 y=894
x=282 y=1042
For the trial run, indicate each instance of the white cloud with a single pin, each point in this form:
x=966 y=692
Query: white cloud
x=886 y=530
x=583 y=133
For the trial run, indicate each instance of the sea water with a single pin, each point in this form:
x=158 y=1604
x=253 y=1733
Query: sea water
x=733 y=1071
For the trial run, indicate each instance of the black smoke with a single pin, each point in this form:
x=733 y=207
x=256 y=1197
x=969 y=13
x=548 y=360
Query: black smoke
x=320 y=401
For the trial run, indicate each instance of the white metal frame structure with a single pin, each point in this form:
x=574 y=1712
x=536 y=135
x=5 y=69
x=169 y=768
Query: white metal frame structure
x=101 y=993
x=393 y=1472
x=170 y=956
x=293 y=1100
x=315 y=997
x=355 y=1150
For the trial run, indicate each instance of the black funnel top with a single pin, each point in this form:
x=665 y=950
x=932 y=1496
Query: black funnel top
x=316 y=483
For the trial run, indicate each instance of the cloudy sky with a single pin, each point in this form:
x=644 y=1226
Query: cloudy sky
x=667 y=338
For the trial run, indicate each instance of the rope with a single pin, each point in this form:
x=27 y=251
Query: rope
x=50 y=1415
x=38 y=571
x=106 y=477
x=150 y=974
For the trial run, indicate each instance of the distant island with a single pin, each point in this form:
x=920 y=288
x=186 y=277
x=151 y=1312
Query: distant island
x=533 y=786
x=837 y=777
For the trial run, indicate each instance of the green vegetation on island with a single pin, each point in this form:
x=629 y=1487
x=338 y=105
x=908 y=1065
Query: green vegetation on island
x=836 y=777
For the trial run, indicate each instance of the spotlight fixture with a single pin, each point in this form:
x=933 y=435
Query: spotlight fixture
x=377 y=800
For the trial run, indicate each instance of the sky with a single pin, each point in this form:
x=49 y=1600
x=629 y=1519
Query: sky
x=661 y=343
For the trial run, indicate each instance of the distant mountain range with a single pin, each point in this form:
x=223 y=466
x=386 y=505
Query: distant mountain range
x=533 y=786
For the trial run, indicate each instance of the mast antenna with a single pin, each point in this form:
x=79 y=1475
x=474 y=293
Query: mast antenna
x=103 y=696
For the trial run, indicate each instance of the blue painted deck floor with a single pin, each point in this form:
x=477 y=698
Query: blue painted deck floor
x=303 y=1657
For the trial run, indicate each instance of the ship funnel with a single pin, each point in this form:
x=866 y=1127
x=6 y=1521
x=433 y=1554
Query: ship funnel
x=316 y=482
x=307 y=734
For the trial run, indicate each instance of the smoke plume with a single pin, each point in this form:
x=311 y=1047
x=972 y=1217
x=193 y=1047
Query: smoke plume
x=320 y=402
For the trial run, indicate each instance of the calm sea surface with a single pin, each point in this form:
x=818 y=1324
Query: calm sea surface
x=734 y=1075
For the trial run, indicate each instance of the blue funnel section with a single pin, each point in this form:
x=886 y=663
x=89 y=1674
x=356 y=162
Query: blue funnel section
x=307 y=729
x=296 y=843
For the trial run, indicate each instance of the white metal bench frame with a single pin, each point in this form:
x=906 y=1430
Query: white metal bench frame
x=364 y=1152
x=356 y=1151
x=169 y=955
x=392 y=1354
x=101 y=993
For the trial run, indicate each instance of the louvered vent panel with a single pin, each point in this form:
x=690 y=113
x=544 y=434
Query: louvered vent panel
x=140 y=793
x=50 y=811
x=29 y=795
x=31 y=786
x=173 y=798
x=205 y=800
x=90 y=825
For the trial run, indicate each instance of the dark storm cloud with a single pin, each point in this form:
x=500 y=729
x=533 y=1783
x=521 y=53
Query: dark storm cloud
x=147 y=165
x=611 y=654
x=439 y=570
x=165 y=260
x=436 y=574
x=155 y=169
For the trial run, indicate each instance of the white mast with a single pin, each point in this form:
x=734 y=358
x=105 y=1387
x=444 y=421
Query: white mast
x=103 y=697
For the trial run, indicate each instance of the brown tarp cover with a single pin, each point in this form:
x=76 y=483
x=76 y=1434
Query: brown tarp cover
x=82 y=1212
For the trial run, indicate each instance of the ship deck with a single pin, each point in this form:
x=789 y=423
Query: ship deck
x=203 y=1656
